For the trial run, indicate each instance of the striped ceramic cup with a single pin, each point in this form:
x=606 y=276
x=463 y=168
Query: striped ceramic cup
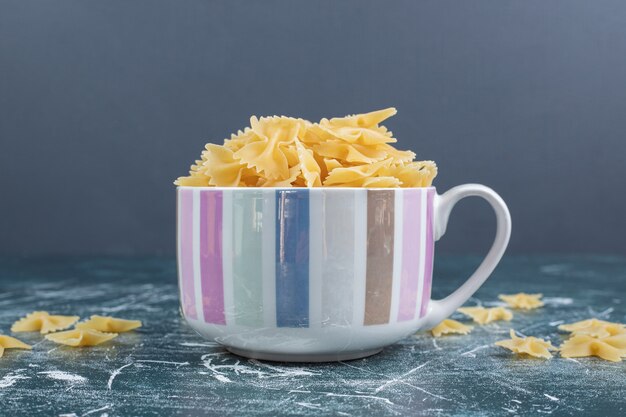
x=320 y=274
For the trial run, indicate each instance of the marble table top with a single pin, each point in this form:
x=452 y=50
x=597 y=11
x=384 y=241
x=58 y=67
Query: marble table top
x=167 y=369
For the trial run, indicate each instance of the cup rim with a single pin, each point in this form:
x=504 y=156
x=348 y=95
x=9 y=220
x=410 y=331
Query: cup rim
x=190 y=187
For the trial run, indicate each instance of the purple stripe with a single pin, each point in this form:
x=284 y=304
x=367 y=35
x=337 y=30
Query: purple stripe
x=186 y=253
x=212 y=279
x=430 y=247
x=410 y=255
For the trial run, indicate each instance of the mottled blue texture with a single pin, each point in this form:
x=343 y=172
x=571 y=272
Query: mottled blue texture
x=292 y=258
x=164 y=368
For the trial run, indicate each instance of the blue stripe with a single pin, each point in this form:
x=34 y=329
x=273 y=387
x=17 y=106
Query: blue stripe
x=292 y=258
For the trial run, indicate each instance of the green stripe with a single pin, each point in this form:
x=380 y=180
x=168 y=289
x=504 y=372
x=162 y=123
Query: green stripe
x=247 y=258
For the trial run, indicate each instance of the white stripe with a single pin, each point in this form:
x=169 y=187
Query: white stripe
x=268 y=225
x=422 y=255
x=338 y=258
x=397 y=254
x=316 y=228
x=227 y=255
x=360 y=256
x=178 y=249
x=196 y=254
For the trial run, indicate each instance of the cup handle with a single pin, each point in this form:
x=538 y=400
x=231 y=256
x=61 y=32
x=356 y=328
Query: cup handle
x=440 y=309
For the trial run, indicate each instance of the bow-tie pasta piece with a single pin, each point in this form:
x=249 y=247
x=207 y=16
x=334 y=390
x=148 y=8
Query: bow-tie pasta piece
x=240 y=139
x=43 y=322
x=349 y=153
x=109 y=324
x=222 y=167
x=522 y=300
x=594 y=328
x=363 y=129
x=355 y=176
x=398 y=156
x=313 y=134
x=250 y=178
x=376 y=182
x=611 y=348
x=81 y=337
x=294 y=173
x=309 y=166
x=449 y=326
x=366 y=120
x=195 y=179
x=219 y=166
x=291 y=153
x=532 y=346
x=427 y=171
x=354 y=153
x=482 y=315
x=413 y=174
x=8 y=342
x=266 y=154
x=331 y=164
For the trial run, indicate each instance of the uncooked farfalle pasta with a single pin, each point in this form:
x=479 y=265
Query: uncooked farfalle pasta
x=531 y=346
x=351 y=151
x=92 y=332
x=43 y=322
x=482 y=315
x=8 y=342
x=522 y=300
x=449 y=326
x=81 y=337
x=109 y=324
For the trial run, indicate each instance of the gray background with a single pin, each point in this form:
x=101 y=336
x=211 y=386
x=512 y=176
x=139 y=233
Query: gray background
x=104 y=103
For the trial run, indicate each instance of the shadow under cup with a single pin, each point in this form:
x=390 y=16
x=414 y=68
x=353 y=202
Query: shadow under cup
x=305 y=274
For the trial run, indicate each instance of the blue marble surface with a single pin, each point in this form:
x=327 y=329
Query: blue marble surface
x=166 y=369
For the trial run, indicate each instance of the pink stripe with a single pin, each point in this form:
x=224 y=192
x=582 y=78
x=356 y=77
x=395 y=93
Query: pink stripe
x=430 y=247
x=212 y=280
x=186 y=253
x=410 y=255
